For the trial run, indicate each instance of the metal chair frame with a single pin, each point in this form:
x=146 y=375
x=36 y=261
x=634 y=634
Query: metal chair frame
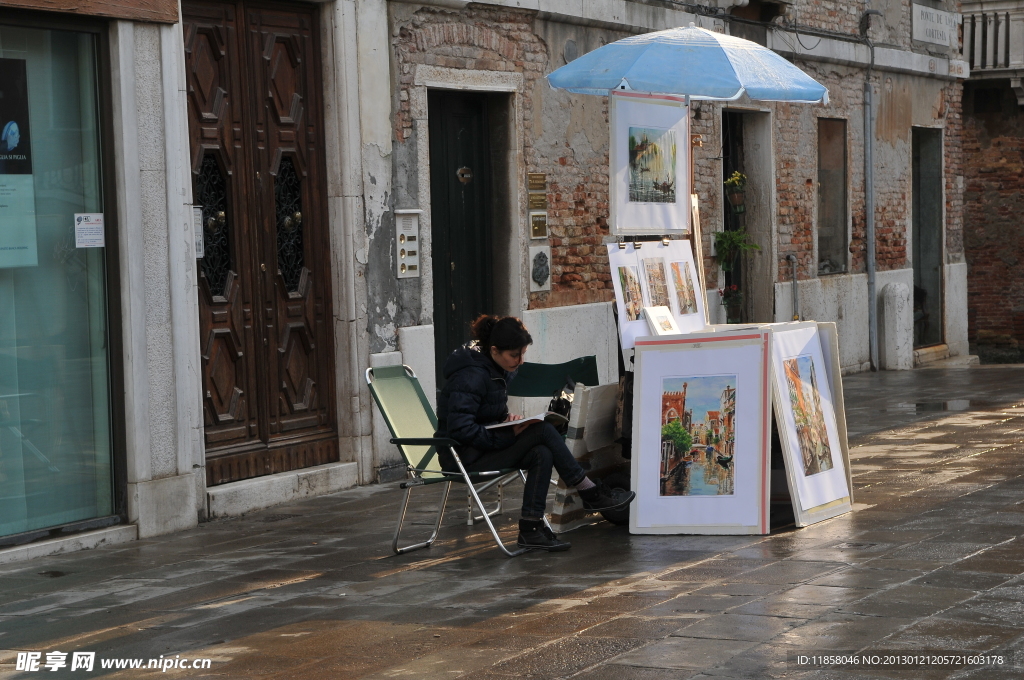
x=417 y=471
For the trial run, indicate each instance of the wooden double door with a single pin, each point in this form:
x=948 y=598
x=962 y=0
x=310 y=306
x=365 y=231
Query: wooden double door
x=256 y=138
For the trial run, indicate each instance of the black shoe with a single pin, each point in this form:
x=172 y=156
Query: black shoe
x=536 y=536
x=600 y=498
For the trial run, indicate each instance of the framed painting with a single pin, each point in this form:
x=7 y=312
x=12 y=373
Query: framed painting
x=650 y=164
x=816 y=464
x=701 y=434
x=629 y=296
x=828 y=333
x=660 y=321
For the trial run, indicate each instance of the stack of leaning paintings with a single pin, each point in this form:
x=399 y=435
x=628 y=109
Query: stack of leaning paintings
x=702 y=415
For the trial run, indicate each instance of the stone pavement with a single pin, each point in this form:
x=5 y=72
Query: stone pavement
x=931 y=560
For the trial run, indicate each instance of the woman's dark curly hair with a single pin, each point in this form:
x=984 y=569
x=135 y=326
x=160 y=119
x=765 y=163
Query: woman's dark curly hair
x=502 y=333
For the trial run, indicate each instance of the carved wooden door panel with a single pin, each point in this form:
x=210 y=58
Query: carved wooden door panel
x=221 y=180
x=294 y=245
x=256 y=134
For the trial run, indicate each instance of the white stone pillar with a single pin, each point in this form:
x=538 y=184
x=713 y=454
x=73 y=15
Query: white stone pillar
x=897 y=328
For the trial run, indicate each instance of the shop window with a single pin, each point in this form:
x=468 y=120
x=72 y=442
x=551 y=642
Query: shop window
x=55 y=442
x=833 y=228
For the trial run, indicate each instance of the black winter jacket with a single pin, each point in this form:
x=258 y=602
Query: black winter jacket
x=473 y=396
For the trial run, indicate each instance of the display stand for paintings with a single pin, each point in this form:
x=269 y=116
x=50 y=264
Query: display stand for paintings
x=815 y=450
x=698 y=249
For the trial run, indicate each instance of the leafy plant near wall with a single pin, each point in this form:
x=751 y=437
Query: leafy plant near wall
x=729 y=244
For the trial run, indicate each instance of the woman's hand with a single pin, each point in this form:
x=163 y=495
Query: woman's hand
x=516 y=429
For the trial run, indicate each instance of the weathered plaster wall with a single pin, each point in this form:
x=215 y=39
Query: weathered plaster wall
x=564 y=136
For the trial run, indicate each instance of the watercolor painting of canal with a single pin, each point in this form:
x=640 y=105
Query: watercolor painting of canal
x=631 y=296
x=701 y=433
x=683 y=282
x=657 y=285
x=807 y=412
x=698 y=435
x=804 y=394
x=652 y=165
x=649 y=161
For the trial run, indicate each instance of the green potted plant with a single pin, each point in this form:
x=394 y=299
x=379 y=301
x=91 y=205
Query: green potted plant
x=735 y=188
x=729 y=244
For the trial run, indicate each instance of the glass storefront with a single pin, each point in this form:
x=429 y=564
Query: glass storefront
x=55 y=431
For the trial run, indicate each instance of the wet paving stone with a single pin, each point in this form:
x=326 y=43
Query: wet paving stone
x=733 y=626
x=566 y=656
x=620 y=672
x=933 y=557
x=687 y=605
x=789 y=571
x=948 y=633
x=866 y=578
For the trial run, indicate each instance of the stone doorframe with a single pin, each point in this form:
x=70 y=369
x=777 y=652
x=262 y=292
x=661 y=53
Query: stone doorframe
x=510 y=246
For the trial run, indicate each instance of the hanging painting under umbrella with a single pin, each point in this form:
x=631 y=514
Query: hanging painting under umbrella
x=650 y=191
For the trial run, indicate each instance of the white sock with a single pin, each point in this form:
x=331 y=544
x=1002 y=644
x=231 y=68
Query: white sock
x=585 y=484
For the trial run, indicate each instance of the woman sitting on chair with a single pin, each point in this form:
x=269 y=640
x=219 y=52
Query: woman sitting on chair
x=475 y=395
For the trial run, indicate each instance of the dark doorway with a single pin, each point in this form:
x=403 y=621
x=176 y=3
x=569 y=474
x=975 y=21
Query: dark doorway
x=461 y=217
x=927 y=236
x=256 y=137
x=733 y=161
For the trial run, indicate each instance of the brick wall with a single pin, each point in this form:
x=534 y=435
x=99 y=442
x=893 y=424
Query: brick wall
x=993 y=233
x=505 y=40
x=797 y=171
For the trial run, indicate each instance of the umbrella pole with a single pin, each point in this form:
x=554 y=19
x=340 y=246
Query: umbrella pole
x=695 y=235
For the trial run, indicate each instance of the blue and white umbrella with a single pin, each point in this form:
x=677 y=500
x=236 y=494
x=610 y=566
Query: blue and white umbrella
x=689 y=61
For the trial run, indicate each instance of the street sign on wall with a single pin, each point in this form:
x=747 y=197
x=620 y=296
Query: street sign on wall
x=935 y=26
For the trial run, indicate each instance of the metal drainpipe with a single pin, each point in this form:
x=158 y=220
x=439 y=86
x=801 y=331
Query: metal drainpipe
x=869 y=191
x=796 y=295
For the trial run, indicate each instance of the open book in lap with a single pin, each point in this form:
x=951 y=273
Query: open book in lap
x=549 y=416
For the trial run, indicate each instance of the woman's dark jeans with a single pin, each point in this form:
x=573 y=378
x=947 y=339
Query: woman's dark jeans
x=536 y=450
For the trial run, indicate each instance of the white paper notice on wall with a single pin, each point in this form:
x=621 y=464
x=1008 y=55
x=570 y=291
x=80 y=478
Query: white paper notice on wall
x=89 y=230
x=197 y=228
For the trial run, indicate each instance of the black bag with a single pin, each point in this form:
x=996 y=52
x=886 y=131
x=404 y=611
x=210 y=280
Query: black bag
x=562 y=405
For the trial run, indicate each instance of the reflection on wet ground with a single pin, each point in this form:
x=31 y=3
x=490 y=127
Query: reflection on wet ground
x=932 y=559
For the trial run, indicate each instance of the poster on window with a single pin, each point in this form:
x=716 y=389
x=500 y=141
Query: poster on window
x=650 y=164
x=17 y=191
x=701 y=420
x=655 y=275
x=808 y=429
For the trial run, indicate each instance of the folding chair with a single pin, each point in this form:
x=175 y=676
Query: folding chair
x=412 y=424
